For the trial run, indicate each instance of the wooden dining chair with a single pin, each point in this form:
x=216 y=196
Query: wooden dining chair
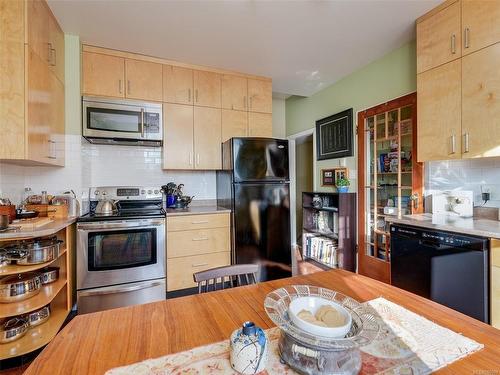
x=236 y=275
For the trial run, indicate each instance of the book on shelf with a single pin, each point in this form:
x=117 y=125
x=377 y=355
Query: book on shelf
x=321 y=249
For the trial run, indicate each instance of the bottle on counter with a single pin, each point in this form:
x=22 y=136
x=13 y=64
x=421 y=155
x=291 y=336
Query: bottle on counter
x=45 y=199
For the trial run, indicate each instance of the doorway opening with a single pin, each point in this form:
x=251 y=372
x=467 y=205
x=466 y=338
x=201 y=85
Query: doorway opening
x=304 y=172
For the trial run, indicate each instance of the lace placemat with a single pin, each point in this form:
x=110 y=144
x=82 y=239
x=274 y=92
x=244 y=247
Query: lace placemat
x=407 y=344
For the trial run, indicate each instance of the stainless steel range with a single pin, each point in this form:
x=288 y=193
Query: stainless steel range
x=121 y=249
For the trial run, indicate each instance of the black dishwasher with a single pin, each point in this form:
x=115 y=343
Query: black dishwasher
x=448 y=268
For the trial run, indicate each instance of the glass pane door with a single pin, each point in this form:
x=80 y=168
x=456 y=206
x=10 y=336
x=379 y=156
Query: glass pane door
x=114 y=120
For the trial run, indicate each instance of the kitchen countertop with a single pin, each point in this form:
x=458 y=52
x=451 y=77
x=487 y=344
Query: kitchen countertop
x=472 y=226
x=51 y=228
x=94 y=343
x=197 y=210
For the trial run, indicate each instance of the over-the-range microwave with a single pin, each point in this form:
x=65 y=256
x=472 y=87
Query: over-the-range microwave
x=121 y=121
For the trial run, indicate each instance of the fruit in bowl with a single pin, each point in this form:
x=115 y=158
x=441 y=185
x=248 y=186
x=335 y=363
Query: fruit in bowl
x=320 y=316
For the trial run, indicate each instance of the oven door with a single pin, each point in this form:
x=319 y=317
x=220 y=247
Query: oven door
x=117 y=252
x=122 y=119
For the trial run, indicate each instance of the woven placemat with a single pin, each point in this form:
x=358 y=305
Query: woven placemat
x=407 y=344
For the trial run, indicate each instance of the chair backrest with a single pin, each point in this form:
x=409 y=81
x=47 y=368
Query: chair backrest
x=236 y=275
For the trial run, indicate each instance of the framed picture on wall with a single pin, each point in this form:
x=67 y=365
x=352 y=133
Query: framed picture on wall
x=334 y=138
x=329 y=177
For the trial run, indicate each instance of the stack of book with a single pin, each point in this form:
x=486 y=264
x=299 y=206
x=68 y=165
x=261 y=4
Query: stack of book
x=322 y=249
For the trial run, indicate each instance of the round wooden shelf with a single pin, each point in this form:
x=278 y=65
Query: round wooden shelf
x=36 y=337
x=13 y=269
x=46 y=295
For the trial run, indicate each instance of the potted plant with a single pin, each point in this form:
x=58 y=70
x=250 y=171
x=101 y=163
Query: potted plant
x=342 y=185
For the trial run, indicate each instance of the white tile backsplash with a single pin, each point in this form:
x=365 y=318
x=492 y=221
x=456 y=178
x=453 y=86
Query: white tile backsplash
x=473 y=174
x=102 y=165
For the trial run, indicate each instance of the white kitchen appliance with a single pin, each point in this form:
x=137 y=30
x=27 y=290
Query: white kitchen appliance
x=458 y=203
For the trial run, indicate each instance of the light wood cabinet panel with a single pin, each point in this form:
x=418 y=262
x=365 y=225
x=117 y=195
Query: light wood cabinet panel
x=260 y=96
x=196 y=222
x=197 y=242
x=56 y=56
x=439 y=113
x=180 y=270
x=57 y=122
x=234 y=124
x=103 y=75
x=234 y=92
x=207 y=89
x=495 y=283
x=38 y=125
x=38 y=14
x=260 y=124
x=439 y=38
x=481 y=103
x=480 y=24
x=177 y=85
x=177 y=136
x=144 y=80
x=207 y=138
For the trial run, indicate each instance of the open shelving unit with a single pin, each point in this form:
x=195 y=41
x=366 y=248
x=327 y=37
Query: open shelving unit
x=59 y=295
x=328 y=230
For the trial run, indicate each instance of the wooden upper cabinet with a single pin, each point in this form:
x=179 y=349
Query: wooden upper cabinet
x=439 y=38
x=481 y=103
x=260 y=124
x=177 y=136
x=177 y=85
x=56 y=53
x=234 y=92
x=56 y=138
x=234 y=124
x=144 y=80
x=38 y=14
x=103 y=75
x=480 y=24
x=439 y=113
x=260 y=96
x=207 y=89
x=207 y=138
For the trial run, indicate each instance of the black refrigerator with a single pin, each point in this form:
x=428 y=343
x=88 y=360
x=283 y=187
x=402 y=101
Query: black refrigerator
x=254 y=184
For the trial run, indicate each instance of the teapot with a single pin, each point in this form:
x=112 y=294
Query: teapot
x=106 y=206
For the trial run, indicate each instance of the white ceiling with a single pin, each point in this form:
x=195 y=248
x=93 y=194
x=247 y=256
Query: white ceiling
x=303 y=45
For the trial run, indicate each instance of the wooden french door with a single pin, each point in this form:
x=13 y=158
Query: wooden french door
x=389 y=179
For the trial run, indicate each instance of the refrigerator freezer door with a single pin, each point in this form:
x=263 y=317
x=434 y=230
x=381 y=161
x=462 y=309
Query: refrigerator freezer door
x=262 y=228
x=260 y=159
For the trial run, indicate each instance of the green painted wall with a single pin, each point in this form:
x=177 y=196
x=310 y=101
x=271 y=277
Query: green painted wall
x=73 y=110
x=391 y=76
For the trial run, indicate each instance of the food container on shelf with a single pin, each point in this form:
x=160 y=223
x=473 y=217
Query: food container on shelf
x=34 y=252
x=8 y=209
x=49 y=275
x=19 y=287
x=39 y=316
x=13 y=329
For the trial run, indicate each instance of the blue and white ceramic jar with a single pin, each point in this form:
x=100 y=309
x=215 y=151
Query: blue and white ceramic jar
x=248 y=354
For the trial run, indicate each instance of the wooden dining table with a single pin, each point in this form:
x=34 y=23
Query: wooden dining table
x=94 y=343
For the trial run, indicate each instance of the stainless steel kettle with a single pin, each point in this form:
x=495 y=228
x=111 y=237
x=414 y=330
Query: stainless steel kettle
x=106 y=206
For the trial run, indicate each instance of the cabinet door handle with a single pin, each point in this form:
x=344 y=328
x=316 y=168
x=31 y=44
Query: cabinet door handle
x=453 y=44
x=466 y=143
x=198 y=159
x=200 y=239
x=453 y=144
x=120 y=86
x=55 y=56
x=190 y=158
x=466 y=37
x=142 y=122
x=196 y=93
x=49 y=53
x=200 y=222
x=189 y=95
x=128 y=86
x=199 y=264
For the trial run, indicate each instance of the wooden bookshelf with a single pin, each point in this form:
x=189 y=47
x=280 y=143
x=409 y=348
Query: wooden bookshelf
x=328 y=230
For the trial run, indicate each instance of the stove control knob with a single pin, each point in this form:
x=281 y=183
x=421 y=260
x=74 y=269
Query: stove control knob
x=97 y=192
x=143 y=192
x=156 y=192
x=150 y=192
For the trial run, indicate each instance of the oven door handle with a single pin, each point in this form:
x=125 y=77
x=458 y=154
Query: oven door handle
x=120 y=289
x=121 y=225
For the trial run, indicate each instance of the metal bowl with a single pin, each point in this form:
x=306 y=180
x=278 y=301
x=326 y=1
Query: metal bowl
x=13 y=329
x=16 y=288
x=39 y=316
x=49 y=275
x=34 y=252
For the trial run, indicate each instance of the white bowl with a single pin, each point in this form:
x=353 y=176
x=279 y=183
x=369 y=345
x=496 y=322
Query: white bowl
x=313 y=304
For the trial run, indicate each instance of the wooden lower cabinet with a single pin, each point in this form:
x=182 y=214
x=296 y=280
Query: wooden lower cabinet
x=260 y=124
x=439 y=113
x=481 y=103
x=495 y=283
x=196 y=243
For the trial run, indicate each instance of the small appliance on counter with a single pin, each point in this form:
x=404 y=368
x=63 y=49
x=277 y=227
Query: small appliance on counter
x=121 y=249
x=458 y=203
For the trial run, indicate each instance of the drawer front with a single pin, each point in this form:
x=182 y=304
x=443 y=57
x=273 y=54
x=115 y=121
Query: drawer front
x=197 y=242
x=190 y=222
x=495 y=252
x=495 y=297
x=180 y=270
